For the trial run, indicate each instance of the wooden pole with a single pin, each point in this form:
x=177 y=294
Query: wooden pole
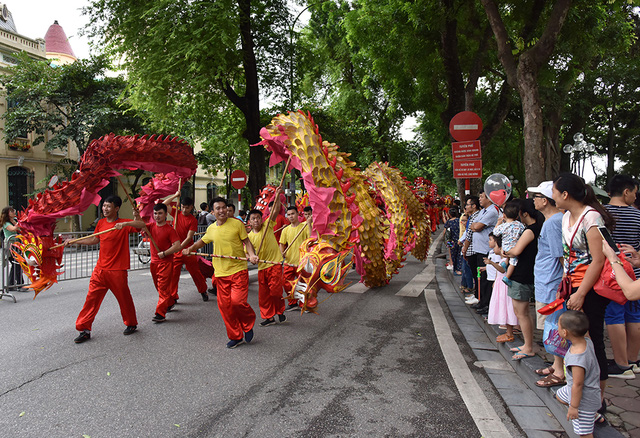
x=135 y=209
x=82 y=238
x=270 y=213
x=175 y=219
x=239 y=258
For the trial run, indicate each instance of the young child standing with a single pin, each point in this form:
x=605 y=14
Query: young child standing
x=582 y=391
x=500 y=306
x=510 y=231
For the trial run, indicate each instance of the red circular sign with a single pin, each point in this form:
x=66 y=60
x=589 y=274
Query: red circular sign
x=465 y=126
x=238 y=179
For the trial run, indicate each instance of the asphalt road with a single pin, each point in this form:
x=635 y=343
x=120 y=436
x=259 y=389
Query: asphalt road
x=367 y=365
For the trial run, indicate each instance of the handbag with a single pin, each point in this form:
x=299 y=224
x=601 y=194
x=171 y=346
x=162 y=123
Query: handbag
x=564 y=288
x=607 y=286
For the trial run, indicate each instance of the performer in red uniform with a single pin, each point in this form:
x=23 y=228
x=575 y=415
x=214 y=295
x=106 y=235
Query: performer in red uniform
x=186 y=225
x=229 y=238
x=270 y=279
x=110 y=272
x=161 y=265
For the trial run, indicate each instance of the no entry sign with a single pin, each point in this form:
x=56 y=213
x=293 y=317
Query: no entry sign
x=238 y=179
x=465 y=126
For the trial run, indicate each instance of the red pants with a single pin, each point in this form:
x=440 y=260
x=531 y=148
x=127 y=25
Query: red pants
x=191 y=262
x=270 y=291
x=161 y=273
x=289 y=276
x=237 y=314
x=101 y=282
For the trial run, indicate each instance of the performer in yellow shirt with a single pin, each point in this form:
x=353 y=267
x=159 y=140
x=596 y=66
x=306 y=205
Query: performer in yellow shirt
x=229 y=238
x=292 y=237
x=270 y=281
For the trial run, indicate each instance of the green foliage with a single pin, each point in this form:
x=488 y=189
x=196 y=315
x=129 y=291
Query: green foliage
x=224 y=149
x=74 y=102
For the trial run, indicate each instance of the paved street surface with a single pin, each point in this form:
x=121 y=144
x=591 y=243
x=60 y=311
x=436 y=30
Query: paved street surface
x=368 y=365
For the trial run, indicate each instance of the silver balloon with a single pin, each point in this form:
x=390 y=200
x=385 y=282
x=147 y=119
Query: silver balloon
x=498 y=188
x=591 y=147
x=567 y=149
x=578 y=137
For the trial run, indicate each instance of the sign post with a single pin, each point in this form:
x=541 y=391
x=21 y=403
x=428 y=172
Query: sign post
x=466 y=127
x=238 y=181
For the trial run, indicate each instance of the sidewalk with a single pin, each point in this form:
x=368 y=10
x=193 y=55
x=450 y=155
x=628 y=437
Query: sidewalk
x=622 y=396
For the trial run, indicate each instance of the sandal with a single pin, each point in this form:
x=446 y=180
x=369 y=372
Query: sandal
x=551 y=380
x=521 y=355
x=515 y=349
x=545 y=371
x=504 y=338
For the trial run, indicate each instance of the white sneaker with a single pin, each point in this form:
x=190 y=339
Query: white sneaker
x=474 y=300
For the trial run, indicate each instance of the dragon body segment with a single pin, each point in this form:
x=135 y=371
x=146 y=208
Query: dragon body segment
x=346 y=213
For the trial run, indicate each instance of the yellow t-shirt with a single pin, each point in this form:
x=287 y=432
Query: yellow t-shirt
x=270 y=249
x=227 y=240
x=286 y=238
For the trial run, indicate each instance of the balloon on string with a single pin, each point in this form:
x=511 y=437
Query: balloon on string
x=498 y=188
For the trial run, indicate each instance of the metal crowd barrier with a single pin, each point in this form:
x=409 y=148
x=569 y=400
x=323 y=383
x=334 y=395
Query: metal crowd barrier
x=78 y=260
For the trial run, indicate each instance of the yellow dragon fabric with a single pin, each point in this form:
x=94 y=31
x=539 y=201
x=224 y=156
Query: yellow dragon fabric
x=372 y=216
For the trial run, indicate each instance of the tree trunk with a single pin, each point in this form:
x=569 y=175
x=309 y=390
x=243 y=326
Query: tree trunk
x=551 y=148
x=251 y=109
x=534 y=160
x=523 y=75
x=451 y=61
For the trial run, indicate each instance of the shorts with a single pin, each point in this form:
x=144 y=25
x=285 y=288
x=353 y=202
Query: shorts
x=584 y=424
x=619 y=314
x=540 y=318
x=520 y=292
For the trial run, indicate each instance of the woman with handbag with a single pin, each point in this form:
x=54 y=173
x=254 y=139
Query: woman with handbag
x=583 y=256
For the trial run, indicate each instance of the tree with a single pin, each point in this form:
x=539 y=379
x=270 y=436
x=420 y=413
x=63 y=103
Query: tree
x=192 y=59
x=225 y=149
x=74 y=102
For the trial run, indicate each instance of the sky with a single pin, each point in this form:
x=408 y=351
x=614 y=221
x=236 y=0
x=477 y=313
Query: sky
x=33 y=18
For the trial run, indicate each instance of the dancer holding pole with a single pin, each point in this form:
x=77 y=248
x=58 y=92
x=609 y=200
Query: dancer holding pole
x=110 y=272
x=229 y=237
x=292 y=237
x=269 y=276
x=185 y=224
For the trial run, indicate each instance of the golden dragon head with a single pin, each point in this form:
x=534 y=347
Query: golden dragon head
x=320 y=267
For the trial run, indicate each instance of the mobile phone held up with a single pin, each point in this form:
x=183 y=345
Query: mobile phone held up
x=607 y=236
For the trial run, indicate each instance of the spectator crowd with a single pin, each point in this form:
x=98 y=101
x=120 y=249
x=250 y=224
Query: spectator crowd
x=550 y=250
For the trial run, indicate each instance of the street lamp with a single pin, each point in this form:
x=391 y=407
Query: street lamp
x=580 y=148
x=418 y=154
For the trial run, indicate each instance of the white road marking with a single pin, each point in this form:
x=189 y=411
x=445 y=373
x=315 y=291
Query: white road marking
x=417 y=284
x=478 y=405
x=357 y=288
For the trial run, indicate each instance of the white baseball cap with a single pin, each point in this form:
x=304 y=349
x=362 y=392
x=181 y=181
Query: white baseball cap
x=545 y=188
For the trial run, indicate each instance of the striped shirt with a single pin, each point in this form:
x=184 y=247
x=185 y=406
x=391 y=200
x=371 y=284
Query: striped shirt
x=468 y=235
x=627 y=227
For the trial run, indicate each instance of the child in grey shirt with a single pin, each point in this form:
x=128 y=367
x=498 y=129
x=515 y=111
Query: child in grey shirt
x=582 y=391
